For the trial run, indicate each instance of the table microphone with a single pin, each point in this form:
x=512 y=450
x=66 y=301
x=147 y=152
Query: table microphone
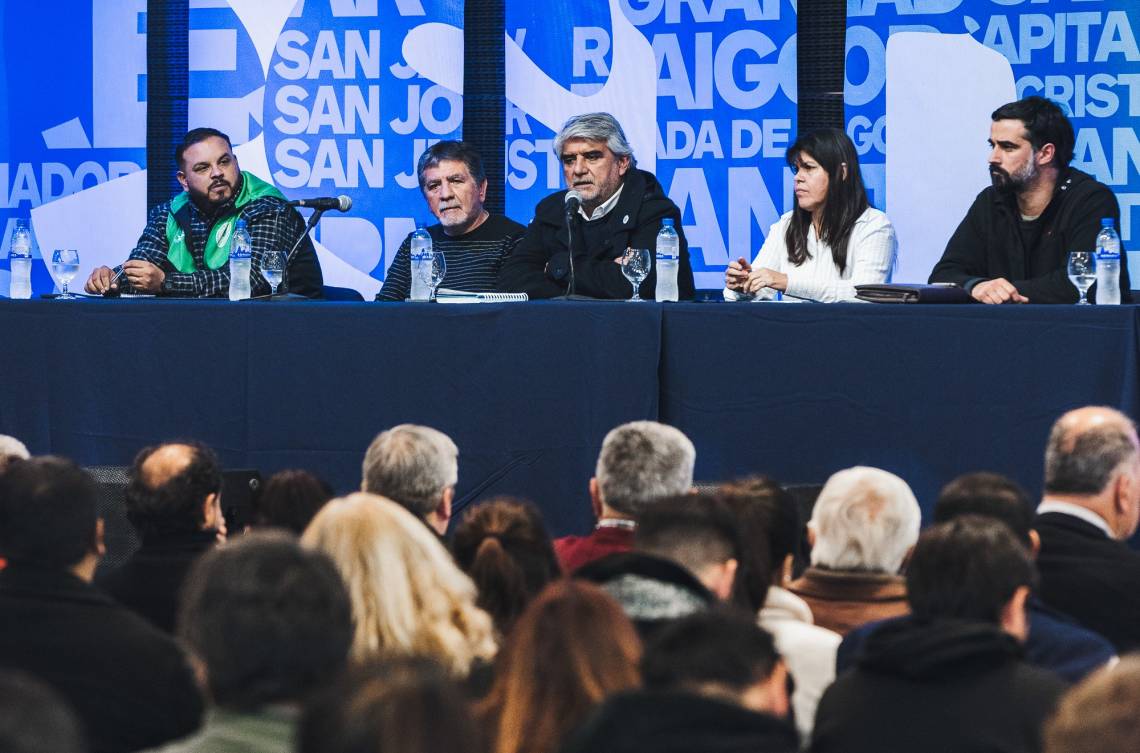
x=339 y=203
x=572 y=202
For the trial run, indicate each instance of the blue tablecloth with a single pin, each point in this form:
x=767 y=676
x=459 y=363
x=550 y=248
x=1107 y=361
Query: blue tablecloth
x=927 y=392
x=529 y=391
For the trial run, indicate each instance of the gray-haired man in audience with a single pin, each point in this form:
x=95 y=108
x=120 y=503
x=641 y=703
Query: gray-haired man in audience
x=864 y=524
x=640 y=462
x=1091 y=507
x=416 y=467
x=11 y=449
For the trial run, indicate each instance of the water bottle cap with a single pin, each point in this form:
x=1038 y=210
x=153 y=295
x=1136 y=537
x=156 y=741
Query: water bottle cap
x=240 y=224
x=667 y=222
x=1107 y=222
x=420 y=225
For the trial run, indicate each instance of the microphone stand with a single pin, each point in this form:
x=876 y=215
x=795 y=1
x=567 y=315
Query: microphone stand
x=314 y=218
x=570 y=247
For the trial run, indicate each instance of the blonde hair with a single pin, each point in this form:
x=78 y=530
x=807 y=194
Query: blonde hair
x=408 y=596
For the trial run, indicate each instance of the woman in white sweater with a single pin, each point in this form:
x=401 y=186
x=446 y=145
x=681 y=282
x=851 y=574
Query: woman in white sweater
x=830 y=242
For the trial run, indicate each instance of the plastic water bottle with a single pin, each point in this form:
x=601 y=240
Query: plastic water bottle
x=20 y=261
x=421 y=257
x=1107 y=264
x=668 y=259
x=241 y=260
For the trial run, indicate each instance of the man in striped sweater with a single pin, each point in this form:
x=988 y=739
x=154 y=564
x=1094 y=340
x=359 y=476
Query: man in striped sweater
x=473 y=241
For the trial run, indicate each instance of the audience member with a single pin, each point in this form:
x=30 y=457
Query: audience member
x=864 y=524
x=408 y=596
x=713 y=682
x=1091 y=507
x=128 y=682
x=399 y=705
x=10 y=449
x=173 y=500
x=949 y=677
x=270 y=623
x=640 y=462
x=684 y=560
x=415 y=467
x=504 y=547
x=1099 y=714
x=769 y=533
x=571 y=647
x=290 y=499
x=1055 y=642
x=35 y=719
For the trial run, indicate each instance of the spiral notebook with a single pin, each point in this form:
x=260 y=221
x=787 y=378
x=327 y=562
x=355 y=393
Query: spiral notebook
x=443 y=295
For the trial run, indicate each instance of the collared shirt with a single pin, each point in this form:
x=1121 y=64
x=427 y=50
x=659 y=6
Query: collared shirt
x=604 y=208
x=629 y=525
x=1083 y=513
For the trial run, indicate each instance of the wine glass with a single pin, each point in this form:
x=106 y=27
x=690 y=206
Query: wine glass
x=273 y=269
x=635 y=267
x=438 y=271
x=65 y=265
x=1082 y=273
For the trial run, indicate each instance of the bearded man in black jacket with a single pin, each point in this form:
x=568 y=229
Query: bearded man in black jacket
x=950 y=677
x=1014 y=243
x=621 y=207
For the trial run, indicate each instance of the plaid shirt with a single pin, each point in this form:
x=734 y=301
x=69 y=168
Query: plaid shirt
x=272 y=224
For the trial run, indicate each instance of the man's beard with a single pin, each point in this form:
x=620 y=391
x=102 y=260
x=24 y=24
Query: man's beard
x=1013 y=182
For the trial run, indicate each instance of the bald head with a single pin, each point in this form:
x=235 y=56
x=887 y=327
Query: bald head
x=174 y=487
x=1087 y=448
x=1093 y=460
x=166 y=462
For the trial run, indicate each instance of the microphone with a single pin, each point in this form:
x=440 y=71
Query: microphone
x=340 y=203
x=573 y=200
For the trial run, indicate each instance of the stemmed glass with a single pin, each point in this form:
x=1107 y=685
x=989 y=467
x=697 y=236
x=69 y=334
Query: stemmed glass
x=635 y=267
x=273 y=269
x=438 y=271
x=65 y=265
x=1082 y=273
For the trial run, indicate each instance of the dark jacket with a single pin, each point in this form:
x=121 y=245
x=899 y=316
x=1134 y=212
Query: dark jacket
x=652 y=590
x=1055 y=643
x=662 y=721
x=129 y=683
x=540 y=264
x=988 y=243
x=944 y=686
x=149 y=583
x=1092 y=578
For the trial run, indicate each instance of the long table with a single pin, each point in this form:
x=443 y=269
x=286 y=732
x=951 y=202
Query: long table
x=529 y=391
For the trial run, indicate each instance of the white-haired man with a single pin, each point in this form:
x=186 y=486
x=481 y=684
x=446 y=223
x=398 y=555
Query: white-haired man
x=621 y=207
x=1091 y=507
x=640 y=462
x=416 y=467
x=11 y=449
x=863 y=526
